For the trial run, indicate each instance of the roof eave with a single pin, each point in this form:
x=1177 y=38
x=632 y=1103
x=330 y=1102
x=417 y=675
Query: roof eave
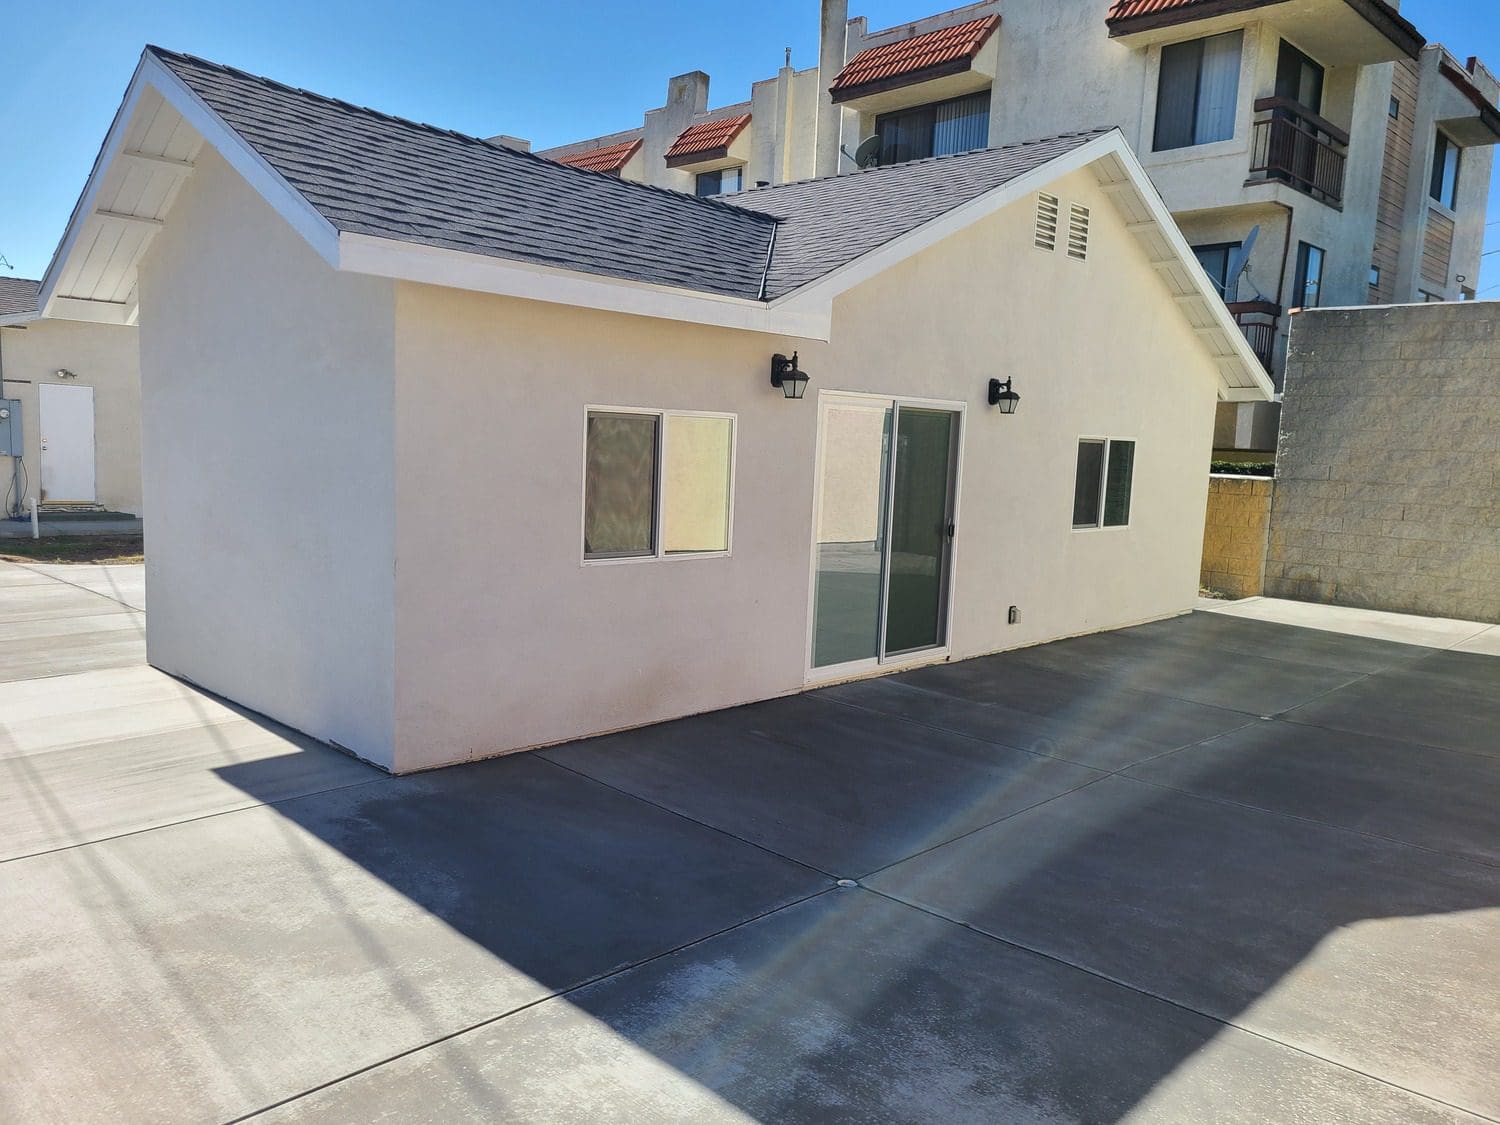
x=1390 y=23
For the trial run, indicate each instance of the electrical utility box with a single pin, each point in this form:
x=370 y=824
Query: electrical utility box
x=10 y=427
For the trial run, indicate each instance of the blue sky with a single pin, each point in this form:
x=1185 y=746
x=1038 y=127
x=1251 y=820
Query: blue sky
x=551 y=72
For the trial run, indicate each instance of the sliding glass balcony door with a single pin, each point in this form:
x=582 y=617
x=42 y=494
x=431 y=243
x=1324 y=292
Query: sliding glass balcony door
x=886 y=498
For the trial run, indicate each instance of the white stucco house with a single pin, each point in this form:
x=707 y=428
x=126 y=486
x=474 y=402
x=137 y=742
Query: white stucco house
x=70 y=409
x=452 y=450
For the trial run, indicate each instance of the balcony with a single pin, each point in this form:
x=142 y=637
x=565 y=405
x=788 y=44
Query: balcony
x=1257 y=320
x=1294 y=146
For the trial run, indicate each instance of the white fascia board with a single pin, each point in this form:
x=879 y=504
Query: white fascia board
x=455 y=269
x=287 y=201
x=1259 y=388
x=90 y=312
x=18 y=319
x=823 y=290
x=150 y=73
x=819 y=294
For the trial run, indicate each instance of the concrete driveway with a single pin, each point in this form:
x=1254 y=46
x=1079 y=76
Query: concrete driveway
x=1203 y=870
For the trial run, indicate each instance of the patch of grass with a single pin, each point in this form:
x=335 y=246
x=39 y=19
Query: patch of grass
x=74 y=549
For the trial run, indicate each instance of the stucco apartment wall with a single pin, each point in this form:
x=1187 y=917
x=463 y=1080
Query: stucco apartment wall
x=506 y=639
x=1388 y=489
x=101 y=356
x=1234 y=535
x=267 y=400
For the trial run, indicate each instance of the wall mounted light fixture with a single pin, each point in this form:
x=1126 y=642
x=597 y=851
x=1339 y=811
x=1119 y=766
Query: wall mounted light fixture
x=1002 y=396
x=788 y=376
x=64 y=373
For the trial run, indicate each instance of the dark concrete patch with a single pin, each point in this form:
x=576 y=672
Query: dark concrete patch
x=1103 y=737
x=882 y=1013
x=1445 y=700
x=1331 y=941
x=844 y=790
x=1201 y=673
x=1433 y=798
x=1282 y=642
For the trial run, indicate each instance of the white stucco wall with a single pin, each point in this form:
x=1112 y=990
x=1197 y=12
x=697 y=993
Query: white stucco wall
x=267 y=402
x=505 y=639
x=101 y=356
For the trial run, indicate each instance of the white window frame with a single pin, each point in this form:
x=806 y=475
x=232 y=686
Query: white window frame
x=659 y=552
x=1104 y=482
x=875 y=665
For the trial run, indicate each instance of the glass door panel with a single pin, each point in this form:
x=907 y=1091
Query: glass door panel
x=921 y=513
x=851 y=555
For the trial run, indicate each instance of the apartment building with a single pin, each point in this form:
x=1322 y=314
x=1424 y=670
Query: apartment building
x=1323 y=145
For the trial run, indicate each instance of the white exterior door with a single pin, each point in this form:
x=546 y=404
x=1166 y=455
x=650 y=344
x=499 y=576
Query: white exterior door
x=66 y=415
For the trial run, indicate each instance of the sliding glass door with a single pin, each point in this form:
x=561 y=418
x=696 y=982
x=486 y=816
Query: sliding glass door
x=886 y=497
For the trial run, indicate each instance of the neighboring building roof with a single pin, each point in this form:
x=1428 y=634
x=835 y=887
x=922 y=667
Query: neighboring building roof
x=707 y=140
x=949 y=50
x=18 y=299
x=1139 y=15
x=607 y=158
x=370 y=173
x=826 y=223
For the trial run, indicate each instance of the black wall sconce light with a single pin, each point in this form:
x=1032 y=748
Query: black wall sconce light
x=788 y=376
x=1002 y=396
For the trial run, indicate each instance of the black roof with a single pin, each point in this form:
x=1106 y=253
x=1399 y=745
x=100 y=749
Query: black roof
x=370 y=173
x=18 y=296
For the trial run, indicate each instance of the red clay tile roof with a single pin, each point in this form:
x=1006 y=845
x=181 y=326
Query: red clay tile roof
x=1129 y=9
x=948 y=47
x=706 y=137
x=610 y=158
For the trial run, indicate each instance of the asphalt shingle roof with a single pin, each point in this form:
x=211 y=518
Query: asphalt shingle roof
x=826 y=223
x=18 y=296
x=370 y=173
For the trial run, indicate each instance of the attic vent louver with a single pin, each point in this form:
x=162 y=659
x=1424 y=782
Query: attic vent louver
x=1048 y=215
x=1078 y=232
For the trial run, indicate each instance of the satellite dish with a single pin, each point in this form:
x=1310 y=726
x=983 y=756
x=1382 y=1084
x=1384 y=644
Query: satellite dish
x=867 y=155
x=1239 y=262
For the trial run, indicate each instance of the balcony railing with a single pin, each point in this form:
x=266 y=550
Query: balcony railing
x=1257 y=320
x=1297 y=147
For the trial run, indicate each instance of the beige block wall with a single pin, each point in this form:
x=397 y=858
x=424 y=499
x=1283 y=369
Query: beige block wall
x=506 y=639
x=1234 y=535
x=1388 y=471
x=102 y=356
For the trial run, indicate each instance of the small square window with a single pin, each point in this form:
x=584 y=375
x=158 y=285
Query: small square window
x=1395 y=109
x=724 y=181
x=1374 y=277
x=1103 y=484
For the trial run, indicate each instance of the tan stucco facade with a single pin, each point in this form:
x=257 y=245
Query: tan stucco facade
x=102 y=357
x=402 y=573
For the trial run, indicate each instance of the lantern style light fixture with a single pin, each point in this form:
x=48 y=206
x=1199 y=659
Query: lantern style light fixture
x=788 y=376
x=1002 y=396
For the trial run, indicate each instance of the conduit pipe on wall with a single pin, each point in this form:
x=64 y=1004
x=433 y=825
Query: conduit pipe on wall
x=36 y=530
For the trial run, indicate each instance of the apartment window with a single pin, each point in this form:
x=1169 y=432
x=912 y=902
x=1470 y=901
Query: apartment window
x=1308 y=290
x=1215 y=259
x=1101 y=489
x=1198 y=91
x=1395 y=110
x=1299 y=78
x=656 y=484
x=721 y=182
x=1374 y=277
x=937 y=129
x=1446 y=157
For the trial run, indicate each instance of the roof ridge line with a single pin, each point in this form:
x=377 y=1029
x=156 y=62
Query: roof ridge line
x=1090 y=133
x=432 y=129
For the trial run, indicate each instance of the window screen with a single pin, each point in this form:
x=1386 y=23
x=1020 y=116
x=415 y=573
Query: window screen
x=1117 y=483
x=619 y=492
x=697 y=457
x=1086 y=484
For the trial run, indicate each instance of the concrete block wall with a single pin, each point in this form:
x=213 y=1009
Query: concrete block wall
x=1388 y=467
x=1234 y=535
